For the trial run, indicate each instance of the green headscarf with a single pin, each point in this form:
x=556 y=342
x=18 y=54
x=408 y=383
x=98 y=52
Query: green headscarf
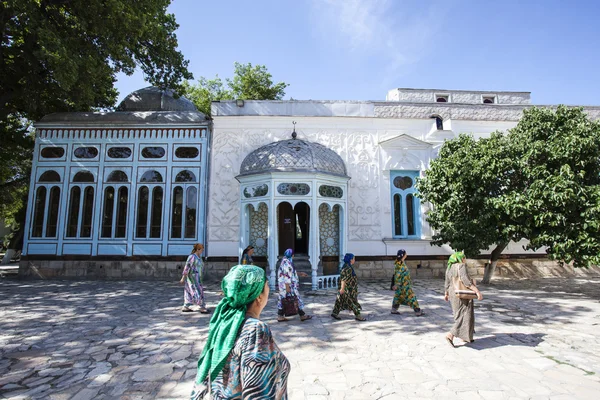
x=456 y=258
x=241 y=286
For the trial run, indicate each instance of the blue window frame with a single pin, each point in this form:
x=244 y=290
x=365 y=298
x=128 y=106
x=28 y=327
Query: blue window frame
x=406 y=207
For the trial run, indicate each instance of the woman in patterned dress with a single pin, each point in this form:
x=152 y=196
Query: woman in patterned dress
x=289 y=285
x=240 y=360
x=462 y=309
x=247 y=256
x=403 y=286
x=193 y=293
x=348 y=294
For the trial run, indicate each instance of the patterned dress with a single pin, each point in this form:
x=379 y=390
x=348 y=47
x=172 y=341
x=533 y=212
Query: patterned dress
x=193 y=292
x=404 y=293
x=287 y=274
x=348 y=300
x=255 y=368
x=463 y=310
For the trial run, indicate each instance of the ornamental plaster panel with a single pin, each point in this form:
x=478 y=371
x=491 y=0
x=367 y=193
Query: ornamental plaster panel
x=448 y=111
x=259 y=229
x=329 y=230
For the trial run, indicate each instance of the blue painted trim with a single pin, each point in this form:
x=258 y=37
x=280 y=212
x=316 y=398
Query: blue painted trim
x=403 y=210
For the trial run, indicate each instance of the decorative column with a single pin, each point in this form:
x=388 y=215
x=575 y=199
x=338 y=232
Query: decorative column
x=315 y=248
x=272 y=241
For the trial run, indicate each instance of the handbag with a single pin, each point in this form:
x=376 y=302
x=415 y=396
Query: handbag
x=461 y=291
x=289 y=305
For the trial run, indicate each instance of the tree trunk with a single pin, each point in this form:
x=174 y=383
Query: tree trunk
x=490 y=267
x=7 y=256
x=16 y=243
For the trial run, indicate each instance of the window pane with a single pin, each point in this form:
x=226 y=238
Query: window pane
x=185 y=176
x=403 y=182
x=53 y=152
x=83 y=176
x=142 y=216
x=107 y=215
x=119 y=152
x=156 y=217
x=153 y=152
x=50 y=176
x=117 y=176
x=73 y=212
x=187 y=152
x=122 y=203
x=88 y=211
x=151 y=176
x=38 y=214
x=176 y=217
x=53 y=205
x=86 y=152
x=190 y=212
x=397 y=215
x=410 y=214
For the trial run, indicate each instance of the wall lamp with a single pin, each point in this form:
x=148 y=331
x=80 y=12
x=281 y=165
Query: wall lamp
x=239 y=103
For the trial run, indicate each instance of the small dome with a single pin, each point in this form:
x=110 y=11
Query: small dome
x=293 y=155
x=152 y=98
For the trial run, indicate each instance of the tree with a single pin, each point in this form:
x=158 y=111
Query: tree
x=559 y=161
x=63 y=55
x=468 y=186
x=248 y=83
x=539 y=182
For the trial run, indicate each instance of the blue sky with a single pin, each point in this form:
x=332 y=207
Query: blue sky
x=360 y=49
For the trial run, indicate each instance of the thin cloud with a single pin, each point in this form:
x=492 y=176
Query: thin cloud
x=397 y=33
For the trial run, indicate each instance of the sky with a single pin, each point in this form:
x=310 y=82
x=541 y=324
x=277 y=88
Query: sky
x=361 y=49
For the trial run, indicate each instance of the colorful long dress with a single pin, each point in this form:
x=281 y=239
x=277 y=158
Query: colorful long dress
x=404 y=293
x=193 y=293
x=463 y=310
x=287 y=274
x=255 y=368
x=348 y=300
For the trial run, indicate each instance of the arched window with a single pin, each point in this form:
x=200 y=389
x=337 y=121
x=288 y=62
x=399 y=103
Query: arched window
x=73 y=213
x=151 y=176
x=117 y=176
x=190 y=212
x=149 y=212
x=49 y=176
x=439 y=122
x=184 y=211
x=38 y=212
x=53 y=206
x=405 y=205
x=114 y=225
x=80 y=212
x=185 y=176
x=83 y=176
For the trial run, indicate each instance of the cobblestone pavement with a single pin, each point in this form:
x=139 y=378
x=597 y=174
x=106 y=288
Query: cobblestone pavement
x=129 y=340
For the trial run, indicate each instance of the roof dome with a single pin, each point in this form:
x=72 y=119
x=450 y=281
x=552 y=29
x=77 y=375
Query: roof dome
x=152 y=98
x=293 y=155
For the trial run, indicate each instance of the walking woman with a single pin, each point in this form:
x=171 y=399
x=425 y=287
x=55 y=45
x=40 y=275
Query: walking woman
x=193 y=293
x=463 y=310
x=403 y=286
x=247 y=255
x=289 y=285
x=240 y=359
x=348 y=294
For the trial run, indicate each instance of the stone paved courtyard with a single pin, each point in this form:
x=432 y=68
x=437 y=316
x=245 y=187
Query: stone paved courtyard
x=128 y=340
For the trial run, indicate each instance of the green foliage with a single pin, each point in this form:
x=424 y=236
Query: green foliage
x=539 y=182
x=560 y=164
x=63 y=55
x=248 y=83
x=468 y=185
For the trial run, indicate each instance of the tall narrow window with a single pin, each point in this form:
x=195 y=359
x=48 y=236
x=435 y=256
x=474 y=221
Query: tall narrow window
x=107 y=215
x=190 y=213
x=397 y=215
x=177 y=213
x=156 y=218
x=405 y=209
x=53 y=206
x=122 y=202
x=38 y=213
x=73 y=216
x=142 y=215
x=87 y=212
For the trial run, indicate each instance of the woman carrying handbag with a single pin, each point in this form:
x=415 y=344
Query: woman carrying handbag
x=289 y=289
x=460 y=290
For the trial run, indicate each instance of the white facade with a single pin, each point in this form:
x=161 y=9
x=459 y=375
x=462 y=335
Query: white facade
x=378 y=141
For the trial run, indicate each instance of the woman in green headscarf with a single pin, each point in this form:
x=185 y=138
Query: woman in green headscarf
x=240 y=357
x=463 y=310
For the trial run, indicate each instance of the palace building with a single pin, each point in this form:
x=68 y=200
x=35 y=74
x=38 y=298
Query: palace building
x=126 y=193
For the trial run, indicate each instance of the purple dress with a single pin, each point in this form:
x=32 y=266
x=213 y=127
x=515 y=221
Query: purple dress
x=193 y=293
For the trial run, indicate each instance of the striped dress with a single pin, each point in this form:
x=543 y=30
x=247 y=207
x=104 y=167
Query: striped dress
x=255 y=369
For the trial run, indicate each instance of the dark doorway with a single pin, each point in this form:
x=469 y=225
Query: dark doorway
x=293 y=227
